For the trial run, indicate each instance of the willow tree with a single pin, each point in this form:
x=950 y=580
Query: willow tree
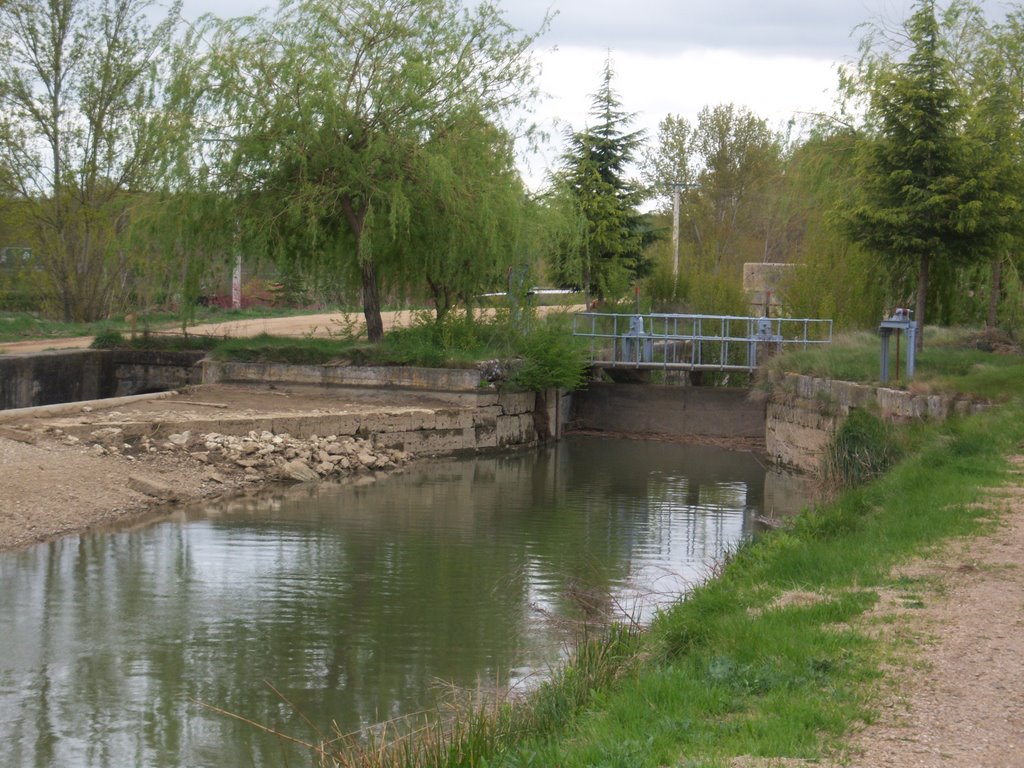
x=460 y=232
x=80 y=90
x=309 y=118
x=996 y=118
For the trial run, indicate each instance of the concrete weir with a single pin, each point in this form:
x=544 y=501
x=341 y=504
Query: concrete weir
x=716 y=412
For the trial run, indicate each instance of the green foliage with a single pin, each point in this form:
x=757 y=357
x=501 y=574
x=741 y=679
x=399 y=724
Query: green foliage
x=608 y=255
x=75 y=160
x=955 y=365
x=551 y=357
x=698 y=289
x=542 y=355
x=460 y=235
x=831 y=276
x=113 y=339
x=340 y=114
x=108 y=340
x=919 y=197
x=863 y=448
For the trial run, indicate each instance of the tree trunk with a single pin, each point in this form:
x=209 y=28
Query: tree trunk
x=922 y=293
x=995 y=292
x=371 y=303
x=356 y=216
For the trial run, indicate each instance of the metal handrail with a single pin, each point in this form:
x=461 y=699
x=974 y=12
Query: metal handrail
x=692 y=341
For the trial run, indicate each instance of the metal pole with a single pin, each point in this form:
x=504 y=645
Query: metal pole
x=676 y=191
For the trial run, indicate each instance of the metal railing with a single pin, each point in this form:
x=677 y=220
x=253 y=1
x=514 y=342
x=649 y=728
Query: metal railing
x=693 y=342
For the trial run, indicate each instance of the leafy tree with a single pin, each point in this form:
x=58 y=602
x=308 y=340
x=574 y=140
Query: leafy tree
x=832 y=276
x=609 y=255
x=920 y=199
x=669 y=162
x=739 y=159
x=80 y=86
x=310 y=119
x=996 y=119
x=466 y=200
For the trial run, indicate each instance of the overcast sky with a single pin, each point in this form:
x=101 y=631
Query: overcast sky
x=776 y=57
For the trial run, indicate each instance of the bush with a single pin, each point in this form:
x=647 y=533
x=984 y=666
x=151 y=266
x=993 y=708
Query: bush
x=552 y=357
x=108 y=340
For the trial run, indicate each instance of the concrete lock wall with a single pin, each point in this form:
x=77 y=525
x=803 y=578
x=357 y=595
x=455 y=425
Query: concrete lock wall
x=65 y=377
x=668 y=410
x=804 y=413
x=479 y=418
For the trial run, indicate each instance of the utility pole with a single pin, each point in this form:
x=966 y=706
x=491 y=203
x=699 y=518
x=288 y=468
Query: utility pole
x=677 y=192
x=677 y=189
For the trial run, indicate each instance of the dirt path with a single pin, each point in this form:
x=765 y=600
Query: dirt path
x=958 y=700
x=322 y=324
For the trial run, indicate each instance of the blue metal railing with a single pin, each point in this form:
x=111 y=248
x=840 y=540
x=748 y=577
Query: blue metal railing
x=693 y=342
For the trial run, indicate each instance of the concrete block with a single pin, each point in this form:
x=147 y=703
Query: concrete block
x=428 y=442
x=515 y=430
x=513 y=403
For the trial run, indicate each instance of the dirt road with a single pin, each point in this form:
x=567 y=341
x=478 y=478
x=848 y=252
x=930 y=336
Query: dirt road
x=322 y=324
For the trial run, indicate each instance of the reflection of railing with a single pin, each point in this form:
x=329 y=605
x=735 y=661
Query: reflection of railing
x=693 y=342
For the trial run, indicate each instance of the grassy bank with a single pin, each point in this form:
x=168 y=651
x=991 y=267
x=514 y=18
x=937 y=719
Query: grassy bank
x=774 y=658
x=954 y=361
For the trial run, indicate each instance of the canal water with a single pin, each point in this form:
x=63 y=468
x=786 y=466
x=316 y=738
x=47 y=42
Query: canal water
x=349 y=605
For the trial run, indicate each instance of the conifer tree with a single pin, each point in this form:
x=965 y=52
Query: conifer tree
x=919 y=198
x=609 y=254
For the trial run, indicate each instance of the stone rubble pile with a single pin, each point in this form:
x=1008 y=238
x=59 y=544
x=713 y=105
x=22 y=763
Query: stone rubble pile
x=259 y=455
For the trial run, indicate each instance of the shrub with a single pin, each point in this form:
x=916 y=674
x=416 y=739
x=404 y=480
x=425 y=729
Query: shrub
x=108 y=340
x=863 y=448
x=552 y=357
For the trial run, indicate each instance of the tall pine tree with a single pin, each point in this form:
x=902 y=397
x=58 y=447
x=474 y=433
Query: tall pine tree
x=608 y=255
x=918 y=189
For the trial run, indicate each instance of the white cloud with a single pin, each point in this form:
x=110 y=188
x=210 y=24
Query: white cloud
x=776 y=57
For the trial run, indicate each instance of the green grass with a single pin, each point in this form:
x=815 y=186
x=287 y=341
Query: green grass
x=947 y=365
x=729 y=673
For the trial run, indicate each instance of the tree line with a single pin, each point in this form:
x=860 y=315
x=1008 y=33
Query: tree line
x=368 y=147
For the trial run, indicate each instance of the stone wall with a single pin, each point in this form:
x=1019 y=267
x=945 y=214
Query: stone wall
x=804 y=412
x=64 y=377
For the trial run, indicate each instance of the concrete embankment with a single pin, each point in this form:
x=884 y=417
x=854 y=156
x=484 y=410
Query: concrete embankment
x=715 y=412
x=279 y=422
x=803 y=413
x=63 y=377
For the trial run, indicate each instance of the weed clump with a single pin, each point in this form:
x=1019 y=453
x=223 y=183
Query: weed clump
x=863 y=448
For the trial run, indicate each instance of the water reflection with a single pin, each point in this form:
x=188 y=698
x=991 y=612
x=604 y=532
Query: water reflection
x=354 y=601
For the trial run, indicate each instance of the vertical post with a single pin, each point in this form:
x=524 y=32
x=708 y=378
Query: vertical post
x=911 y=349
x=884 y=372
x=236 y=283
x=676 y=191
